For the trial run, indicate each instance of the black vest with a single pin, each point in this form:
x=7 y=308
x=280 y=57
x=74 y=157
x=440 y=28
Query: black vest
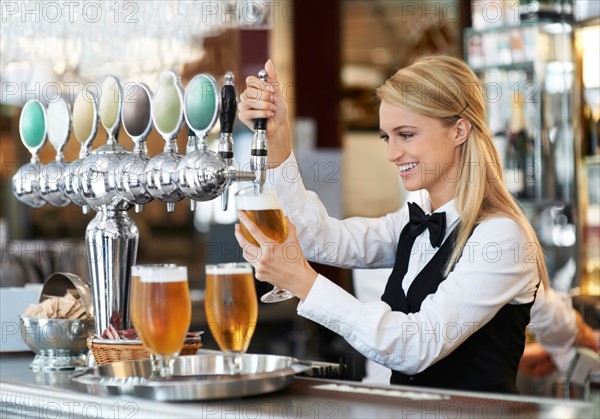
x=488 y=359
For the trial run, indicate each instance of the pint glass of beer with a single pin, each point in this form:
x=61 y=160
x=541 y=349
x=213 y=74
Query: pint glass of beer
x=231 y=308
x=161 y=312
x=264 y=209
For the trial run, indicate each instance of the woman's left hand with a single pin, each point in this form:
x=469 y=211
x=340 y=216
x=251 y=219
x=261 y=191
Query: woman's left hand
x=281 y=264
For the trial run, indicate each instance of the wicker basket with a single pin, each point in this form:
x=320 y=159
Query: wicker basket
x=106 y=352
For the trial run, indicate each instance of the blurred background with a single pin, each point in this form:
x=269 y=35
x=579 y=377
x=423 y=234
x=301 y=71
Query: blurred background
x=538 y=60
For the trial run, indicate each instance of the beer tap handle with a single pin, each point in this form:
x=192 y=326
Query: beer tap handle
x=258 y=153
x=33 y=128
x=167 y=115
x=59 y=126
x=85 y=121
x=167 y=109
x=110 y=107
x=261 y=123
x=227 y=118
x=136 y=114
x=201 y=105
x=228 y=105
x=201 y=110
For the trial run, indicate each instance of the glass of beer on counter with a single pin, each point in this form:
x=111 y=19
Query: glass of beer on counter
x=265 y=210
x=161 y=312
x=231 y=309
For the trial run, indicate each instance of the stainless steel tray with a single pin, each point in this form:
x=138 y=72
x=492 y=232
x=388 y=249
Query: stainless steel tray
x=196 y=377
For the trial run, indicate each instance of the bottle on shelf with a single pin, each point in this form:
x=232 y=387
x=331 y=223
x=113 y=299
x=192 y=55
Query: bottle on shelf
x=516 y=157
x=514 y=173
x=590 y=125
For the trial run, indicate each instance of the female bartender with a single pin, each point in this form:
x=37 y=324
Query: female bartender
x=466 y=267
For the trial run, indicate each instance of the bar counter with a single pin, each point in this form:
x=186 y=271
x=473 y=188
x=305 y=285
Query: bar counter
x=24 y=393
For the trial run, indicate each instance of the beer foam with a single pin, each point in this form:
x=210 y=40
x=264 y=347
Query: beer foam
x=228 y=269
x=160 y=273
x=257 y=202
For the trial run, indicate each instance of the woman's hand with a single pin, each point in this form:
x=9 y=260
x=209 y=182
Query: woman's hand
x=281 y=264
x=586 y=336
x=265 y=100
x=535 y=361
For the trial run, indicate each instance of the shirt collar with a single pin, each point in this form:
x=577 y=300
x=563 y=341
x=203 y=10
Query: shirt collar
x=449 y=208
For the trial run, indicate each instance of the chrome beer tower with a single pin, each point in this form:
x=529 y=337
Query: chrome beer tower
x=112 y=179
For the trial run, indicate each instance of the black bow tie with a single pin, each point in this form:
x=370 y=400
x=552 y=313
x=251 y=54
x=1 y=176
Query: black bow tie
x=419 y=221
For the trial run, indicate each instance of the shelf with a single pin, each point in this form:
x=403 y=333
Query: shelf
x=527 y=66
x=502 y=28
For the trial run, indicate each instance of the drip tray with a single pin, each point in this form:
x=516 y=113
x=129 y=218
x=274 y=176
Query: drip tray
x=196 y=377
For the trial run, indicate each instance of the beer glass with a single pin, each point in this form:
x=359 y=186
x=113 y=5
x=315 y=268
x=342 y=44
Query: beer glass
x=161 y=312
x=231 y=309
x=264 y=209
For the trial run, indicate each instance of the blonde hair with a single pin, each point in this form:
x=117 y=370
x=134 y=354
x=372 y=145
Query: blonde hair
x=445 y=88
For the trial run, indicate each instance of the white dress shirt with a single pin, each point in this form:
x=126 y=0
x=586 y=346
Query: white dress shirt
x=496 y=268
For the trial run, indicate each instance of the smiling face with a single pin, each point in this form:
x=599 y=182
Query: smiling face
x=426 y=152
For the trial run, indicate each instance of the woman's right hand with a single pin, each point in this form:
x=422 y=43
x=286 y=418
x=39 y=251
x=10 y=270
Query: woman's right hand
x=586 y=336
x=535 y=361
x=264 y=100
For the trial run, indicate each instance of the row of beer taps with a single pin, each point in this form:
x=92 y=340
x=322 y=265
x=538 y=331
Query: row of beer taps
x=112 y=178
